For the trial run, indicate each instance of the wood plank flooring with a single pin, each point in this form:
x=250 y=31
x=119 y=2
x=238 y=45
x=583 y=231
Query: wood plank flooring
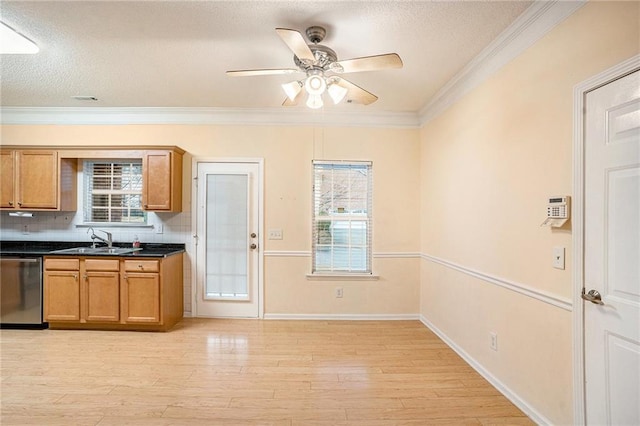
x=244 y=372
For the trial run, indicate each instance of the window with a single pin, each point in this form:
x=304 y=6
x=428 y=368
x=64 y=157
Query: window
x=113 y=192
x=342 y=199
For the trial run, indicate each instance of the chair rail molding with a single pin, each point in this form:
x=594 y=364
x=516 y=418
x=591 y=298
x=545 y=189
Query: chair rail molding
x=542 y=296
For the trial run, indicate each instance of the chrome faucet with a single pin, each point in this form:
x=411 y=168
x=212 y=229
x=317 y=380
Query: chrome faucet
x=108 y=241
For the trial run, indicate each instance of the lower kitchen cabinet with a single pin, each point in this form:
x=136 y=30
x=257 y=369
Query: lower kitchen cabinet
x=113 y=293
x=62 y=290
x=102 y=290
x=141 y=291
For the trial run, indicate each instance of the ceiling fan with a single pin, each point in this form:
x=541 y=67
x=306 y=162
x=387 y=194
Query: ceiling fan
x=323 y=70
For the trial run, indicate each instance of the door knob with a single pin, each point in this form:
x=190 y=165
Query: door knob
x=592 y=296
x=253 y=246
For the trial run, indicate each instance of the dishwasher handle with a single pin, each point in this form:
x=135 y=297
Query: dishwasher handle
x=19 y=260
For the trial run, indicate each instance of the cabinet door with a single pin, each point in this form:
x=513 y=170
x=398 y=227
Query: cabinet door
x=102 y=296
x=156 y=180
x=7 y=179
x=61 y=296
x=37 y=179
x=141 y=297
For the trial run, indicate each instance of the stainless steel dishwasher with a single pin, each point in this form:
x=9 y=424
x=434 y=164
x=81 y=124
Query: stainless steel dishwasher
x=21 y=292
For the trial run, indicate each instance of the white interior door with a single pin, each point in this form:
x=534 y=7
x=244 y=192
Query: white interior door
x=228 y=230
x=612 y=253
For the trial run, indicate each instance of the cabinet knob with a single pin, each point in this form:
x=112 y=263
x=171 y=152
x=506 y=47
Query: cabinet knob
x=140 y=266
x=19 y=203
x=10 y=203
x=75 y=276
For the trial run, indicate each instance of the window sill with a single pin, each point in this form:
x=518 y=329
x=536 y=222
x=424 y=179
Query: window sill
x=343 y=277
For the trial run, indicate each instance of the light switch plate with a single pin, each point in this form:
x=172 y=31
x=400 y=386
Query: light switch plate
x=275 y=234
x=558 y=257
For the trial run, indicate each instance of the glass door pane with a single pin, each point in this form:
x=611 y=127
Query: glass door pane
x=227 y=237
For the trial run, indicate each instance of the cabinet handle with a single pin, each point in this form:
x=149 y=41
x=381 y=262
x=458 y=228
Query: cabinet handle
x=75 y=276
x=19 y=203
x=11 y=203
x=85 y=276
x=125 y=277
x=140 y=266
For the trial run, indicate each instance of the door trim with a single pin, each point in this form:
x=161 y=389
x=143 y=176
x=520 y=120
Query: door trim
x=577 y=219
x=194 y=225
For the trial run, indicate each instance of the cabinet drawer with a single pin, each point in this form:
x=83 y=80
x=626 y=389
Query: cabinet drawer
x=62 y=264
x=142 y=265
x=102 y=264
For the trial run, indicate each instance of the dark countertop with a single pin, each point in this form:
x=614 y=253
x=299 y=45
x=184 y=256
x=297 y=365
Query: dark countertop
x=45 y=248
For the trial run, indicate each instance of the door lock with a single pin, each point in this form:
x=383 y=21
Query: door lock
x=253 y=246
x=253 y=235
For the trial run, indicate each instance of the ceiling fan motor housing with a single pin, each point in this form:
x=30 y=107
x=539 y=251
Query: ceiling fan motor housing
x=323 y=54
x=316 y=34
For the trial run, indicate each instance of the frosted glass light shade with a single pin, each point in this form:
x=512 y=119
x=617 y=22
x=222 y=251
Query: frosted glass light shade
x=315 y=85
x=314 y=101
x=292 y=89
x=337 y=93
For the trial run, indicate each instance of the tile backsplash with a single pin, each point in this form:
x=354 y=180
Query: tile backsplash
x=68 y=226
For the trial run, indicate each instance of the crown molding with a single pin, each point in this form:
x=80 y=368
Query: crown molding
x=528 y=28
x=210 y=115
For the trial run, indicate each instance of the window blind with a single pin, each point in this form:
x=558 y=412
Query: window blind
x=113 y=192
x=342 y=217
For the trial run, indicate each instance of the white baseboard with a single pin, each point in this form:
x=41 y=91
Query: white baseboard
x=505 y=390
x=343 y=317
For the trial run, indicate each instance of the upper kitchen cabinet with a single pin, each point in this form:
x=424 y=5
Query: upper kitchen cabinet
x=37 y=180
x=162 y=180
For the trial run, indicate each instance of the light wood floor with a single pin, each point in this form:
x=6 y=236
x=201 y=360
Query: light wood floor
x=244 y=372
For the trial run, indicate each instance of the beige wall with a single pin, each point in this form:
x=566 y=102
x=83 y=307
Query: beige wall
x=287 y=153
x=488 y=164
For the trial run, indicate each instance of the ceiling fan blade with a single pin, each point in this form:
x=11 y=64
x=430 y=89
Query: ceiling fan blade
x=266 y=71
x=356 y=94
x=296 y=43
x=369 y=63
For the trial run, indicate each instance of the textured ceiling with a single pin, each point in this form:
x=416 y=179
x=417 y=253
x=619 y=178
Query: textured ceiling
x=175 y=53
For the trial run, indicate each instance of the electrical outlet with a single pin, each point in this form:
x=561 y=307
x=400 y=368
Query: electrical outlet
x=25 y=229
x=338 y=292
x=493 y=341
x=159 y=228
x=275 y=234
x=558 y=257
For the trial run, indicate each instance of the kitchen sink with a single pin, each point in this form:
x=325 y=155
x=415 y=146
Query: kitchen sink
x=97 y=250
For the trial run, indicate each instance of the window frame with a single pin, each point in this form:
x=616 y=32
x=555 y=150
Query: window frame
x=367 y=217
x=88 y=192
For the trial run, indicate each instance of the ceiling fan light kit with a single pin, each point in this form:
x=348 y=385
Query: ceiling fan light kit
x=321 y=66
x=292 y=89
